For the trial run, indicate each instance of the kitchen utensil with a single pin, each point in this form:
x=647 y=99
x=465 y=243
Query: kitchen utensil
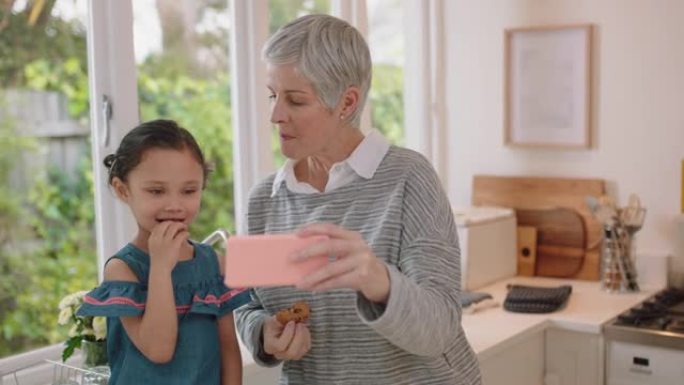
x=606 y=212
x=620 y=224
x=632 y=216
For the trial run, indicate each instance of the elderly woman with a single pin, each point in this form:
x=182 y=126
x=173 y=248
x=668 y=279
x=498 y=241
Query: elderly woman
x=386 y=309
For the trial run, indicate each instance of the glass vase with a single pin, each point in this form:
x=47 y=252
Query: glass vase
x=94 y=353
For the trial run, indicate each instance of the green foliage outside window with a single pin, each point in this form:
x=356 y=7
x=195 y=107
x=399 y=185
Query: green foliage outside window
x=59 y=210
x=46 y=245
x=387 y=102
x=67 y=77
x=283 y=11
x=12 y=270
x=46 y=233
x=31 y=34
x=203 y=107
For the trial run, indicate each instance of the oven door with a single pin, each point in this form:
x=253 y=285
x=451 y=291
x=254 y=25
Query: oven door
x=636 y=364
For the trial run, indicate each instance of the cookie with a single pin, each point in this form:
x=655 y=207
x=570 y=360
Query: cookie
x=299 y=312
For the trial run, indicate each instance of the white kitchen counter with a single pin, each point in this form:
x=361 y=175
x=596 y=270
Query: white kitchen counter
x=494 y=329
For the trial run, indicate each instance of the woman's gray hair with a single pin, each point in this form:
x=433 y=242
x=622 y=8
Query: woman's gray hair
x=329 y=53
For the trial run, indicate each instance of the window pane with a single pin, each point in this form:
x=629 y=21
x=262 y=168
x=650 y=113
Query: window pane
x=182 y=56
x=47 y=240
x=387 y=50
x=281 y=12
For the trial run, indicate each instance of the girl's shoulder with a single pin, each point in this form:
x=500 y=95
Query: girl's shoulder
x=118 y=270
x=133 y=258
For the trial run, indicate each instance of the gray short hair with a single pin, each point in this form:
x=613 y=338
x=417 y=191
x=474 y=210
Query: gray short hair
x=329 y=53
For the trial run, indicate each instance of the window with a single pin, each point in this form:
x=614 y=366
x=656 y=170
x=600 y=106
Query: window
x=182 y=58
x=47 y=241
x=281 y=12
x=174 y=62
x=385 y=39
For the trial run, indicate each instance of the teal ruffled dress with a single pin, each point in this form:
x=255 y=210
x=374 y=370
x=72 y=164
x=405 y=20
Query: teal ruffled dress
x=201 y=298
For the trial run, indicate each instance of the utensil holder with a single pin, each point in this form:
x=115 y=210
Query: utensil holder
x=618 y=273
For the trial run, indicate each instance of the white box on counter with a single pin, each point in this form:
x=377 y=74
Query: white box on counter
x=487 y=237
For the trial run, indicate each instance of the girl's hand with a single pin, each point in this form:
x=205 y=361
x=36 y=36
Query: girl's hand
x=289 y=342
x=355 y=266
x=165 y=243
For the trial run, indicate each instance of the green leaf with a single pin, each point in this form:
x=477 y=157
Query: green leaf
x=70 y=345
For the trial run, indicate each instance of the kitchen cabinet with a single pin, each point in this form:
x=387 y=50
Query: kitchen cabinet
x=563 y=347
x=573 y=358
x=548 y=357
x=522 y=363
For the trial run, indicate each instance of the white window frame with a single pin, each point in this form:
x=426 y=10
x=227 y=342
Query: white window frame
x=111 y=72
x=252 y=154
x=425 y=116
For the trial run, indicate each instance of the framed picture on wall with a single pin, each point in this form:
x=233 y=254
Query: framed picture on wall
x=548 y=86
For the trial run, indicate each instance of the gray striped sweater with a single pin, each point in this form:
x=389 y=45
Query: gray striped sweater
x=416 y=338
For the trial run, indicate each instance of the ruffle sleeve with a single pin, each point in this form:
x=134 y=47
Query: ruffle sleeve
x=114 y=299
x=119 y=298
x=218 y=299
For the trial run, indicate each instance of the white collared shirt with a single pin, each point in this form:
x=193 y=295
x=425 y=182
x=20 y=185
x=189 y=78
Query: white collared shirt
x=363 y=161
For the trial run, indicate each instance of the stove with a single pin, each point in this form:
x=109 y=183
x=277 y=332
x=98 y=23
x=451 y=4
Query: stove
x=645 y=344
x=658 y=321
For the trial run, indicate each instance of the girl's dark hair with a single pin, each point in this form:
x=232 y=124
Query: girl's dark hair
x=153 y=134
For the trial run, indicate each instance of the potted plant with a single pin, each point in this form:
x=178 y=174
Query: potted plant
x=86 y=333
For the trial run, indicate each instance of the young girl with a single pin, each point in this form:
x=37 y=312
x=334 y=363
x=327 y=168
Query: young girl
x=169 y=315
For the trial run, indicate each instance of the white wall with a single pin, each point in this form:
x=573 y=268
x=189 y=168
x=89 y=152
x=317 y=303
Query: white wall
x=638 y=138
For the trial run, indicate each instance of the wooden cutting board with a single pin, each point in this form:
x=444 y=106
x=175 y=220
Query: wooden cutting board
x=561 y=240
x=568 y=236
x=527 y=250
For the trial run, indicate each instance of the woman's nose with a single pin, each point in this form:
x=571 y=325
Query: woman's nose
x=278 y=114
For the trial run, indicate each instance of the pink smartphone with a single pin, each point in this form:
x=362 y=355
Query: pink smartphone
x=262 y=260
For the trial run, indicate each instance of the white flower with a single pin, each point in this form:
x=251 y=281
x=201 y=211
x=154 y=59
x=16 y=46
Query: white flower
x=65 y=315
x=82 y=328
x=73 y=299
x=100 y=327
x=65 y=302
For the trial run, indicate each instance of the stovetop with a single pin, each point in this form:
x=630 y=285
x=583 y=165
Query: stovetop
x=657 y=321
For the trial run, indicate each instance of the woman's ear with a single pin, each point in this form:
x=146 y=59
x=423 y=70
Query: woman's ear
x=349 y=101
x=121 y=189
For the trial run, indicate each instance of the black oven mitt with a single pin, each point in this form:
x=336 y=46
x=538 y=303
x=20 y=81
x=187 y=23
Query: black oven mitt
x=532 y=299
